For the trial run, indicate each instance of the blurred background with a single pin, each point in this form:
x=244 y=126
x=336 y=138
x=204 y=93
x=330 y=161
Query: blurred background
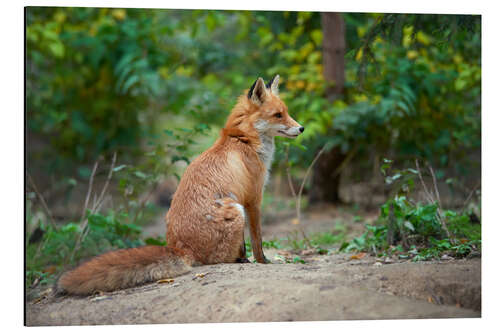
x=119 y=101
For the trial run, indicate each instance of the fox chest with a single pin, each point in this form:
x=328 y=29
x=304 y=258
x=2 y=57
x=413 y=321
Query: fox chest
x=266 y=154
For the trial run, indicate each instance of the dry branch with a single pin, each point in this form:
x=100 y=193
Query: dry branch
x=96 y=206
x=42 y=200
x=298 y=195
x=89 y=191
x=428 y=195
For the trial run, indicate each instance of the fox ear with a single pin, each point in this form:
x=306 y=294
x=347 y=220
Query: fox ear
x=273 y=84
x=257 y=93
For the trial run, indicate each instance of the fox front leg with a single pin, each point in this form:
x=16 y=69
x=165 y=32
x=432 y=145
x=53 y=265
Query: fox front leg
x=242 y=259
x=256 y=234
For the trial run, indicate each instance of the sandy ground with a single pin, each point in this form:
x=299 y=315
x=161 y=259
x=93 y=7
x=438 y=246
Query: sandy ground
x=325 y=287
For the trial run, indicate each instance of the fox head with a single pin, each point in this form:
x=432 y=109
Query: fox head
x=273 y=118
x=262 y=112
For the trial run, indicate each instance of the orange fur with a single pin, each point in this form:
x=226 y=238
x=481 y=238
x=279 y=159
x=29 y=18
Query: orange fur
x=219 y=191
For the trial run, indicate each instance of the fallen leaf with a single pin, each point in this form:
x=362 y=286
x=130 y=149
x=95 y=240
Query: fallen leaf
x=358 y=256
x=38 y=300
x=46 y=292
x=50 y=269
x=307 y=252
x=388 y=260
x=165 y=281
x=201 y=275
x=279 y=258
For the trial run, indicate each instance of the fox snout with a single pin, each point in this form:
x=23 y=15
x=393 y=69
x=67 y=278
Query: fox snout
x=292 y=132
x=291 y=129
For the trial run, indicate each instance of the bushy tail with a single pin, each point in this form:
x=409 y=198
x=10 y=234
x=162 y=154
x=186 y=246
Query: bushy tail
x=124 y=269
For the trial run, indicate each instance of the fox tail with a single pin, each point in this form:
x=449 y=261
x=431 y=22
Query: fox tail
x=124 y=269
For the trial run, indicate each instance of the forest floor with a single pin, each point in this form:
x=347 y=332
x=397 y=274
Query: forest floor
x=332 y=286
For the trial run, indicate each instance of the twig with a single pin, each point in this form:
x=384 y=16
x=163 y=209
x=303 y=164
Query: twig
x=89 y=191
x=290 y=184
x=143 y=203
x=98 y=201
x=346 y=160
x=110 y=173
x=96 y=206
x=439 y=213
x=42 y=200
x=289 y=176
x=469 y=197
x=434 y=199
x=435 y=185
x=429 y=197
x=297 y=206
x=299 y=194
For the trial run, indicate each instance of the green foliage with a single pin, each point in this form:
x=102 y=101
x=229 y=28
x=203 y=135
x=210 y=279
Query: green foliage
x=419 y=234
x=317 y=240
x=158 y=241
x=89 y=72
x=414 y=229
x=100 y=79
x=248 y=248
x=105 y=232
x=412 y=87
x=272 y=244
x=161 y=158
x=375 y=236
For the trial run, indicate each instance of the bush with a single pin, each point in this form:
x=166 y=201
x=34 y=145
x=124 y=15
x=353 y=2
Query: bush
x=414 y=229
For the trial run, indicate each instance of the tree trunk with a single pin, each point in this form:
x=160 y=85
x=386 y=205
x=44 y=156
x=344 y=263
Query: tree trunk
x=325 y=179
x=333 y=53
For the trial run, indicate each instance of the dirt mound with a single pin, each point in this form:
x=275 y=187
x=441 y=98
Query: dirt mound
x=328 y=287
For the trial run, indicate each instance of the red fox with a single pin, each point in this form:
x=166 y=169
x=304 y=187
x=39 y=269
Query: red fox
x=220 y=190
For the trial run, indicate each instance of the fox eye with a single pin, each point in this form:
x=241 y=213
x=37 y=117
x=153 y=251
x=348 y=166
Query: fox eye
x=278 y=115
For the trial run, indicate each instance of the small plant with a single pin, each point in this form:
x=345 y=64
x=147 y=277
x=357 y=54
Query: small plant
x=298 y=260
x=137 y=183
x=57 y=248
x=160 y=241
x=272 y=244
x=317 y=241
x=418 y=230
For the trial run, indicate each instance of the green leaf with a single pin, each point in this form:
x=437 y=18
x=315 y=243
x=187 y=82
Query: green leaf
x=176 y=158
x=298 y=259
x=57 y=49
x=155 y=241
x=120 y=167
x=317 y=36
x=409 y=226
x=140 y=174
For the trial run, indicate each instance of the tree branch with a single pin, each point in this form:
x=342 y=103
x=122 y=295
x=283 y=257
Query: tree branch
x=42 y=200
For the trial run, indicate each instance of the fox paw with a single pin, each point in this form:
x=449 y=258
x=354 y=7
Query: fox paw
x=242 y=260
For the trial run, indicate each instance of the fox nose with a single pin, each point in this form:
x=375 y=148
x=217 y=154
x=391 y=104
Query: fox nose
x=301 y=129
